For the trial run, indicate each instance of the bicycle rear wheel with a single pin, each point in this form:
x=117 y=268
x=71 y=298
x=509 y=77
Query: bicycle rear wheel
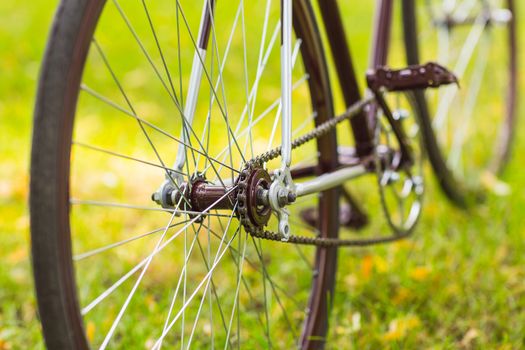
x=468 y=131
x=112 y=269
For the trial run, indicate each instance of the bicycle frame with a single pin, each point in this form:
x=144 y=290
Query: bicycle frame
x=352 y=163
x=197 y=69
x=361 y=111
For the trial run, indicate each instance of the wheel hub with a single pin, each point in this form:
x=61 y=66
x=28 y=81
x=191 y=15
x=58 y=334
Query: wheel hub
x=251 y=198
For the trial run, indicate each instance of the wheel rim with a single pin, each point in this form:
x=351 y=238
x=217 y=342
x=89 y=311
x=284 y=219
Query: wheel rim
x=84 y=185
x=473 y=125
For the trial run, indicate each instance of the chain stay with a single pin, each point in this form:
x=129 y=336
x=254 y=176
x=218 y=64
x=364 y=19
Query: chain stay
x=319 y=131
x=429 y=75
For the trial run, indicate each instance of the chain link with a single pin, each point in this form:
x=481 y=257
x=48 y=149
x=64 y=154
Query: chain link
x=324 y=242
x=319 y=131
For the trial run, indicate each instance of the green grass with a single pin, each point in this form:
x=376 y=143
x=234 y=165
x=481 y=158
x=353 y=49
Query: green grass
x=459 y=283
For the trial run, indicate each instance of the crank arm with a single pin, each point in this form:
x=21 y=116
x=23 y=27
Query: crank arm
x=397 y=128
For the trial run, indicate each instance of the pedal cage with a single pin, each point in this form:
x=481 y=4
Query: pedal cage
x=414 y=77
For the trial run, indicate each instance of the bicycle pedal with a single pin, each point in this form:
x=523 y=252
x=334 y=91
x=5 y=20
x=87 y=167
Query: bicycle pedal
x=429 y=75
x=347 y=217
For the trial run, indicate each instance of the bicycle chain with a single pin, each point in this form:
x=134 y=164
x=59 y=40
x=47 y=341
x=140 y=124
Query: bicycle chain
x=259 y=232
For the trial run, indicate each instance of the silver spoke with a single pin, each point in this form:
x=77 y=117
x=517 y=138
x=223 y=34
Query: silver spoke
x=119 y=155
x=153 y=126
x=206 y=279
x=469 y=104
x=93 y=252
x=184 y=270
x=459 y=69
x=128 y=102
x=277 y=298
x=295 y=54
x=266 y=112
x=192 y=276
x=224 y=153
x=76 y=201
x=222 y=67
x=206 y=73
x=115 y=323
x=119 y=282
x=237 y=289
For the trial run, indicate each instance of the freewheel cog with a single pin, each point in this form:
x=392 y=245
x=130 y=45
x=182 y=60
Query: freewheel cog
x=254 y=212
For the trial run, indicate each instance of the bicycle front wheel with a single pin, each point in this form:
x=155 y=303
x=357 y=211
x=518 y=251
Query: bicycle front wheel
x=468 y=130
x=113 y=269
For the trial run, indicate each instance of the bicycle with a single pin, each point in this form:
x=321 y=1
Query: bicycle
x=234 y=193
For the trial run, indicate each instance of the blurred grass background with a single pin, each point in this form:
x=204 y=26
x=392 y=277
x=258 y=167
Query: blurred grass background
x=460 y=283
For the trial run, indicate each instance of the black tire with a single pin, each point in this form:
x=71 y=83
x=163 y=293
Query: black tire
x=459 y=191
x=55 y=109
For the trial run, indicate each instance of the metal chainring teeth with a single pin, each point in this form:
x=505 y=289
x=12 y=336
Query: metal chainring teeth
x=253 y=177
x=254 y=217
x=257 y=230
x=394 y=167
